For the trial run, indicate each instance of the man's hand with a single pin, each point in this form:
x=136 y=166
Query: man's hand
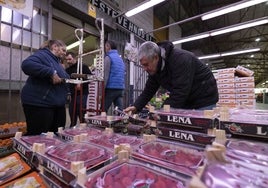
x=130 y=110
x=56 y=79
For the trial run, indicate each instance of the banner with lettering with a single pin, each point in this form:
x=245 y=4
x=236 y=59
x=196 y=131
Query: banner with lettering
x=24 y=7
x=121 y=20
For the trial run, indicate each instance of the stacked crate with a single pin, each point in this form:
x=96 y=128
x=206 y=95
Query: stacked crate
x=236 y=87
x=244 y=83
x=226 y=87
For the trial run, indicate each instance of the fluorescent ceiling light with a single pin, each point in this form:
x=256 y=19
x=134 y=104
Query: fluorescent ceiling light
x=229 y=53
x=239 y=27
x=73 y=45
x=231 y=8
x=195 y=37
x=209 y=56
x=224 y=30
x=240 y=52
x=143 y=7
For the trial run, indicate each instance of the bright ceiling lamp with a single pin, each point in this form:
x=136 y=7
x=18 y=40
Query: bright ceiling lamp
x=143 y=7
x=240 y=52
x=237 y=27
x=73 y=45
x=210 y=56
x=229 y=53
x=252 y=23
x=231 y=8
x=195 y=37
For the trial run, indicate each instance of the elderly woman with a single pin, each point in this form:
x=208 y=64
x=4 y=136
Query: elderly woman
x=44 y=94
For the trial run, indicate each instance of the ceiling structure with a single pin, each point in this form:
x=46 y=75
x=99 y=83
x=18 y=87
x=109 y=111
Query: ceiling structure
x=185 y=10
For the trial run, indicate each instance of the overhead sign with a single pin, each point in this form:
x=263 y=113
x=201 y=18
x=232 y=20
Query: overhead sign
x=91 y=10
x=24 y=7
x=121 y=20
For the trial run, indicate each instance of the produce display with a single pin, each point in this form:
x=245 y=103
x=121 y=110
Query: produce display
x=172 y=153
x=243 y=145
x=31 y=180
x=247 y=123
x=249 y=152
x=184 y=119
x=42 y=139
x=133 y=174
x=106 y=121
x=24 y=145
x=110 y=140
x=66 y=153
x=12 y=166
x=169 y=155
x=9 y=129
x=68 y=134
x=64 y=160
x=233 y=175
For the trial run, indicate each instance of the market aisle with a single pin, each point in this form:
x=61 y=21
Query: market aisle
x=261 y=106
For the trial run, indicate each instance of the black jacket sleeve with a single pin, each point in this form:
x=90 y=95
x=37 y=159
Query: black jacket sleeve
x=150 y=89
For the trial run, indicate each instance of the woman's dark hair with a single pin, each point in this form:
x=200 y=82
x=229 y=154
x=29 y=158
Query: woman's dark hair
x=112 y=44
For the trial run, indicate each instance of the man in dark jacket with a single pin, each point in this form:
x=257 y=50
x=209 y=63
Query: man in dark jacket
x=190 y=83
x=76 y=109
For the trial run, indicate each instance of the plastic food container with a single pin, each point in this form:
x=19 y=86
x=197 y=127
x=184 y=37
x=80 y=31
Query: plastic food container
x=254 y=147
x=68 y=134
x=71 y=152
x=106 y=121
x=233 y=175
x=110 y=140
x=66 y=159
x=134 y=173
x=24 y=145
x=170 y=153
x=42 y=139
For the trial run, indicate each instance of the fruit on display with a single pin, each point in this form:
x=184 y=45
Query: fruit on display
x=133 y=175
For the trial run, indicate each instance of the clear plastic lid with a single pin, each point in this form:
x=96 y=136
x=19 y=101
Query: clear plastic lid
x=41 y=139
x=76 y=131
x=109 y=140
x=172 y=153
x=243 y=145
x=135 y=175
x=70 y=152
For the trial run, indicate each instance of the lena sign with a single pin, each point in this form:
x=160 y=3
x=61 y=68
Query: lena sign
x=121 y=20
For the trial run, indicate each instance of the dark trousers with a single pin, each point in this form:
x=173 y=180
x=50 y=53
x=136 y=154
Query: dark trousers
x=114 y=96
x=41 y=120
x=76 y=114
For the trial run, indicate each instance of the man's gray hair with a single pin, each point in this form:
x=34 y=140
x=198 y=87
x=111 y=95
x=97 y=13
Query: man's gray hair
x=148 y=49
